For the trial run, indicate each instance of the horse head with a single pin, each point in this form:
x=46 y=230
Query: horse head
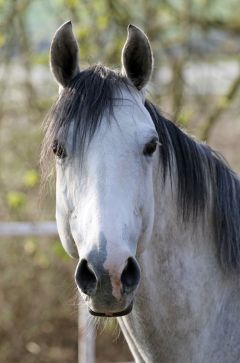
x=104 y=140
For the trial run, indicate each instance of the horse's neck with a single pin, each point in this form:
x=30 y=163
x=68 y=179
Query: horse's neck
x=186 y=308
x=193 y=237
x=191 y=242
x=183 y=289
x=184 y=252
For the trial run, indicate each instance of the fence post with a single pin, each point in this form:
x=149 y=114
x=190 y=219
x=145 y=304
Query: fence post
x=86 y=335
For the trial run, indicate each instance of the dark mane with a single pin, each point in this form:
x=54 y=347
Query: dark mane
x=200 y=170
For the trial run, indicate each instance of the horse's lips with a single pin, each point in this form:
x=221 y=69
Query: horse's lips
x=112 y=315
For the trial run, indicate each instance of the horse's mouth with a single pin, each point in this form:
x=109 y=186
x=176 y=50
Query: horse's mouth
x=112 y=315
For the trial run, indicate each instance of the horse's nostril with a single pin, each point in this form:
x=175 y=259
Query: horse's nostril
x=85 y=278
x=130 y=275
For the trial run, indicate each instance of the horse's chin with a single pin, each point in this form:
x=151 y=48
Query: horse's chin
x=113 y=314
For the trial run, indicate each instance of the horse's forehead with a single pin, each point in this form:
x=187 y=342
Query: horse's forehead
x=131 y=94
x=126 y=125
x=130 y=116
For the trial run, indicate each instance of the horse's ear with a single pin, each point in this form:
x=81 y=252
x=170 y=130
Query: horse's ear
x=137 y=58
x=64 y=54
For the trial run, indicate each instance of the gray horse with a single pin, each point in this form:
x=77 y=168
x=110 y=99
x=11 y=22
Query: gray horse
x=152 y=215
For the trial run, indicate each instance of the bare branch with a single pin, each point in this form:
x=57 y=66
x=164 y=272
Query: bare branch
x=223 y=104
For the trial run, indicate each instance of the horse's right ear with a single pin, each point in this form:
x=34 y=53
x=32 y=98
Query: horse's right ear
x=64 y=54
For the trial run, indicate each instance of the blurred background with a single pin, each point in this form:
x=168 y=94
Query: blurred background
x=196 y=81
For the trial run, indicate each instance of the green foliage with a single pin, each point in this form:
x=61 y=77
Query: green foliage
x=30 y=246
x=59 y=251
x=2 y=40
x=31 y=178
x=185 y=117
x=16 y=200
x=41 y=59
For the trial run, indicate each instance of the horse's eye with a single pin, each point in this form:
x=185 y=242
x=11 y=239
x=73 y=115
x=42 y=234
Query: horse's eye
x=150 y=147
x=58 y=150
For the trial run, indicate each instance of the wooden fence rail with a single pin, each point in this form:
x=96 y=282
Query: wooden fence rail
x=18 y=229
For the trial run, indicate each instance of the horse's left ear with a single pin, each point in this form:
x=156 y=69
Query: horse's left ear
x=137 y=58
